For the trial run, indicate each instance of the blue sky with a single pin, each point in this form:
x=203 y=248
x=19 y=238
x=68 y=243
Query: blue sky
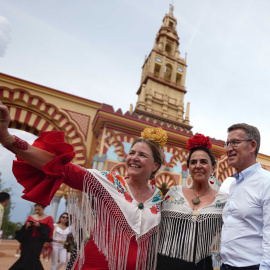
x=95 y=49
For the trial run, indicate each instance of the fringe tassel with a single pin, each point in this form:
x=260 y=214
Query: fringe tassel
x=147 y=250
x=187 y=237
x=97 y=214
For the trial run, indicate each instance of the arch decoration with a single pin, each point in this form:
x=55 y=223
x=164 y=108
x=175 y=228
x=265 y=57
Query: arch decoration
x=33 y=114
x=117 y=139
x=165 y=180
x=120 y=168
x=179 y=154
x=224 y=170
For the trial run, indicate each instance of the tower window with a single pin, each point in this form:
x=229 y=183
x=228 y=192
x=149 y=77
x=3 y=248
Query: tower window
x=168 y=72
x=168 y=48
x=171 y=24
x=157 y=69
x=178 y=79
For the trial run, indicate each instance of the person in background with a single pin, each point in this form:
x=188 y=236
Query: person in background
x=37 y=230
x=18 y=251
x=59 y=253
x=69 y=245
x=1 y=234
x=245 y=240
x=4 y=201
x=46 y=252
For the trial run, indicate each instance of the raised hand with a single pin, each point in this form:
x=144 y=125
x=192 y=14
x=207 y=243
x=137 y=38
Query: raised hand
x=34 y=156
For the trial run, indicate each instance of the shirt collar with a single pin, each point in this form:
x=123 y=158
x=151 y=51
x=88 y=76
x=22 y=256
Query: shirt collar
x=247 y=172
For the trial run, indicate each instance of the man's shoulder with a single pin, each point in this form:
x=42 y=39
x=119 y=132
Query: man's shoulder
x=264 y=173
x=257 y=171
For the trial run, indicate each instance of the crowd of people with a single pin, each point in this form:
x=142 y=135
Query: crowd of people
x=126 y=223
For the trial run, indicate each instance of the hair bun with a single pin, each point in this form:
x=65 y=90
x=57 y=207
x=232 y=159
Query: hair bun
x=199 y=140
x=157 y=135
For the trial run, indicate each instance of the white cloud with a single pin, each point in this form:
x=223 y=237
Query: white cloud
x=5 y=32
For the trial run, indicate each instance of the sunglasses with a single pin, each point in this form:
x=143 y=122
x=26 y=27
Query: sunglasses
x=65 y=217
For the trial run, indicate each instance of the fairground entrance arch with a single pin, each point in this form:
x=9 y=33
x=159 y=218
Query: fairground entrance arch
x=35 y=108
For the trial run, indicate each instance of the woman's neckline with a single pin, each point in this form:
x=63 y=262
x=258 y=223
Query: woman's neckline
x=33 y=216
x=201 y=207
x=129 y=190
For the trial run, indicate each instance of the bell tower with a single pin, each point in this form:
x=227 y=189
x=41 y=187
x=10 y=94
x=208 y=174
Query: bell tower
x=162 y=89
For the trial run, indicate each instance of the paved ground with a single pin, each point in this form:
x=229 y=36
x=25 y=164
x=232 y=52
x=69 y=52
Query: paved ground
x=7 y=251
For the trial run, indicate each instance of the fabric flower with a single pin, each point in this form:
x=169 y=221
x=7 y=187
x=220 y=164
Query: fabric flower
x=199 y=140
x=157 y=135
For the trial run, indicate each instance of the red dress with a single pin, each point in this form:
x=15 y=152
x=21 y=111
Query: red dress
x=47 y=221
x=123 y=236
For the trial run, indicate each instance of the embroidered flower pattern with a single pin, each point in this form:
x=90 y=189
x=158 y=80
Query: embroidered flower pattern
x=169 y=199
x=158 y=197
x=127 y=197
x=117 y=180
x=219 y=204
x=155 y=208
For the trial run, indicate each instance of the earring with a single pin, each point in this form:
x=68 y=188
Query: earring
x=189 y=182
x=212 y=181
x=126 y=177
x=152 y=181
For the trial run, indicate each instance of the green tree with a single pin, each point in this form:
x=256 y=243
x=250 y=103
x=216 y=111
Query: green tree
x=11 y=228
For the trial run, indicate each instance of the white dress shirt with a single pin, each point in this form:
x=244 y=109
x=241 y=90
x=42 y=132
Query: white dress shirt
x=245 y=239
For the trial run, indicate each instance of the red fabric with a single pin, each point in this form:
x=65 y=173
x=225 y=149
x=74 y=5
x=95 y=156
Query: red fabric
x=97 y=261
x=49 y=180
x=40 y=187
x=48 y=221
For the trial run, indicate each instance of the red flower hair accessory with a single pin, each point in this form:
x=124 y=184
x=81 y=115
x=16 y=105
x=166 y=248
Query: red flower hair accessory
x=199 y=140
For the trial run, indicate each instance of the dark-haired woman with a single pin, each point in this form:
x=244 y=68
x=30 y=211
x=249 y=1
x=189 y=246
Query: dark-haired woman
x=59 y=253
x=37 y=231
x=121 y=215
x=192 y=215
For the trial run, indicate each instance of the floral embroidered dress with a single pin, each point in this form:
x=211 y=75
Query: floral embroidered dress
x=122 y=234
x=186 y=234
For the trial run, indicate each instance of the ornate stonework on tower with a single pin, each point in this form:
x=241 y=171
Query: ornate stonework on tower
x=162 y=89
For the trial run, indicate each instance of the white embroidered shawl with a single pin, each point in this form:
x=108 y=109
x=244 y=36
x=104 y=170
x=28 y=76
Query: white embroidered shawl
x=187 y=234
x=107 y=202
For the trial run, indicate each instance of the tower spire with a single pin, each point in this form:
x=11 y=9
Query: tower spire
x=171 y=8
x=162 y=89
